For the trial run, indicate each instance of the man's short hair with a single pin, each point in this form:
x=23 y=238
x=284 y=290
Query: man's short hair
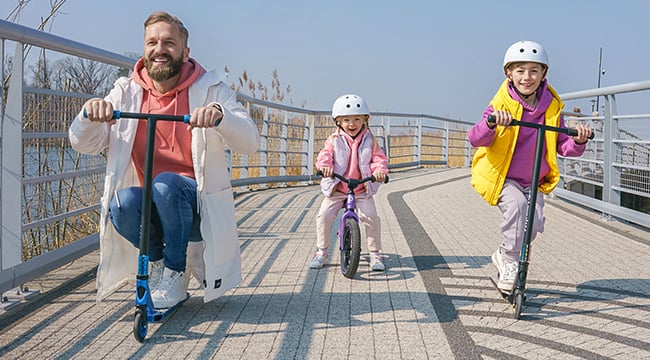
x=169 y=19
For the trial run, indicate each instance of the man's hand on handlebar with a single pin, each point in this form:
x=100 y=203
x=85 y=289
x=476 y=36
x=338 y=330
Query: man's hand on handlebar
x=99 y=110
x=206 y=116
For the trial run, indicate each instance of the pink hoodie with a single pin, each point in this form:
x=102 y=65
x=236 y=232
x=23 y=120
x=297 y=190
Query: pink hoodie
x=172 y=149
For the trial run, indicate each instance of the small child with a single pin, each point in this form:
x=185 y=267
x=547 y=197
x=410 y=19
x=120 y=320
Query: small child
x=503 y=163
x=351 y=151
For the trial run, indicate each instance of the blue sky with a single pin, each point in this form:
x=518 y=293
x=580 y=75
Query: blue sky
x=425 y=56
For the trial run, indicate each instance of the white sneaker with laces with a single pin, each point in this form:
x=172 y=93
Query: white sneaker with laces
x=319 y=260
x=499 y=262
x=155 y=274
x=171 y=290
x=507 y=271
x=376 y=261
x=507 y=279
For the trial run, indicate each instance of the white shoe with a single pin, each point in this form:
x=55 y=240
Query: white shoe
x=507 y=271
x=507 y=279
x=319 y=260
x=376 y=261
x=171 y=290
x=195 y=264
x=499 y=263
x=155 y=273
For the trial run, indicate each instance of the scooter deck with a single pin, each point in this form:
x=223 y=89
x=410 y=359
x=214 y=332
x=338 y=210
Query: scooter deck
x=161 y=313
x=504 y=294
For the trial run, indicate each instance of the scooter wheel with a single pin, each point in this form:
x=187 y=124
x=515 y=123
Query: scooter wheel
x=518 y=305
x=140 y=325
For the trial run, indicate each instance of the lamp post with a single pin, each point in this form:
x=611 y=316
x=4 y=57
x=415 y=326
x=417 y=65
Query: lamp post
x=601 y=72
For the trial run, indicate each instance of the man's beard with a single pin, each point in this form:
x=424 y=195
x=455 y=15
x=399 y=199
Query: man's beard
x=162 y=73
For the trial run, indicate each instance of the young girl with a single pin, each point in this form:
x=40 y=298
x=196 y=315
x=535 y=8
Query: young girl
x=351 y=151
x=503 y=163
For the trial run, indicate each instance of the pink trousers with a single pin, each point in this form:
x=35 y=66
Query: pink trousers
x=366 y=211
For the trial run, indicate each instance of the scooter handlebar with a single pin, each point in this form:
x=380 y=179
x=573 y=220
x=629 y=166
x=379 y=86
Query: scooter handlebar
x=117 y=114
x=569 y=131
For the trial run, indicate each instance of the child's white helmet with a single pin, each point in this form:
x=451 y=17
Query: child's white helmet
x=349 y=105
x=525 y=51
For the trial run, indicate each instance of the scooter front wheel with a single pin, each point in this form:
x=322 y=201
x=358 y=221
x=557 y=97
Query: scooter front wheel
x=518 y=303
x=140 y=325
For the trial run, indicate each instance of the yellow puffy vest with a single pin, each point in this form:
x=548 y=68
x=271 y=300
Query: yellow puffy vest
x=491 y=163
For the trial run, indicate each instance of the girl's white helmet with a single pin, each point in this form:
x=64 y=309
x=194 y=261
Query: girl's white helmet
x=349 y=105
x=525 y=51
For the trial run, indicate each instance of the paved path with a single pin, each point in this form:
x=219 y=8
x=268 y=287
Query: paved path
x=588 y=290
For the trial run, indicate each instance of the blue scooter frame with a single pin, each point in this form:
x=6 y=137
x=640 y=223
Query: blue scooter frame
x=145 y=311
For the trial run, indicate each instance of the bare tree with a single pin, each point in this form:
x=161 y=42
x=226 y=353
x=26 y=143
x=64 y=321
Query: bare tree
x=14 y=15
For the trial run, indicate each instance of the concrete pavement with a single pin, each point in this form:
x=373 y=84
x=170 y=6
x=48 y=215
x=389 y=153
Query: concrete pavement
x=588 y=293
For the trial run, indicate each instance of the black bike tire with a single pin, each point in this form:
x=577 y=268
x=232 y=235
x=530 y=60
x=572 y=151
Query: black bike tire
x=351 y=252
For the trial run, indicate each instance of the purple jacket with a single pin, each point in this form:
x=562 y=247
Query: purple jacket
x=521 y=166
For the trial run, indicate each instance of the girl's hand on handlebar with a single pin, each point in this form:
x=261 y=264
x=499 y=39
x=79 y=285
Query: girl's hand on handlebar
x=502 y=118
x=99 y=110
x=379 y=176
x=584 y=133
x=327 y=171
x=206 y=116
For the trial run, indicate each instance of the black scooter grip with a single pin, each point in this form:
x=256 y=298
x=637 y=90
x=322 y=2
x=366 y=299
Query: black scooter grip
x=569 y=131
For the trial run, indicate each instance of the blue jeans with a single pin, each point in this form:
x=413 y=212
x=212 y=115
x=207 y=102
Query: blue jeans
x=174 y=217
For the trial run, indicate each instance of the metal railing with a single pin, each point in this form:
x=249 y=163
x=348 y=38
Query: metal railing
x=50 y=194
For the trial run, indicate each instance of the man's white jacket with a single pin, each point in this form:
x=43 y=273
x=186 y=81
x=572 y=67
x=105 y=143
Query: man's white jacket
x=220 y=246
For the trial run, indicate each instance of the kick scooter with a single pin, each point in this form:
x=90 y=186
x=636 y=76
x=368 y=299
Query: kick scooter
x=349 y=233
x=145 y=311
x=517 y=296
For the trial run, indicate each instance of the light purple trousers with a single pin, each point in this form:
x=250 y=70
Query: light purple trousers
x=513 y=203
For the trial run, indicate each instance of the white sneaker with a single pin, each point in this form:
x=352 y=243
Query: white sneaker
x=376 y=261
x=507 y=271
x=319 y=260
x=171 y=290
x=507 y=279
x=155 y=273
x=499 y=263
x=195 y=264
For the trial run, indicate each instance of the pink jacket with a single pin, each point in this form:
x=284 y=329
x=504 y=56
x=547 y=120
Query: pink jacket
x=336 y=154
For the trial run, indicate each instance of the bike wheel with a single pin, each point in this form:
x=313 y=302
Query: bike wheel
x=351 y=251
x=518 y=303
x=140 y=325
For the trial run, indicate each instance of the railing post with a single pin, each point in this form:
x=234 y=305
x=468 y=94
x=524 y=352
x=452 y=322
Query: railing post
x=264 y=143
x=12 y=167
x=387 y=129
x=311 y=122
x=283 y=144
x=419 y=145
x=611 y=174
x=445 y=145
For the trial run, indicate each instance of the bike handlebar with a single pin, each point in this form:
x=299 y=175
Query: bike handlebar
x=569 y=131
x=347 y=181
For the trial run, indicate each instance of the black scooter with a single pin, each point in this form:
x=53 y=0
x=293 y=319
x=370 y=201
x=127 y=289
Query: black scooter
x=517 y=296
